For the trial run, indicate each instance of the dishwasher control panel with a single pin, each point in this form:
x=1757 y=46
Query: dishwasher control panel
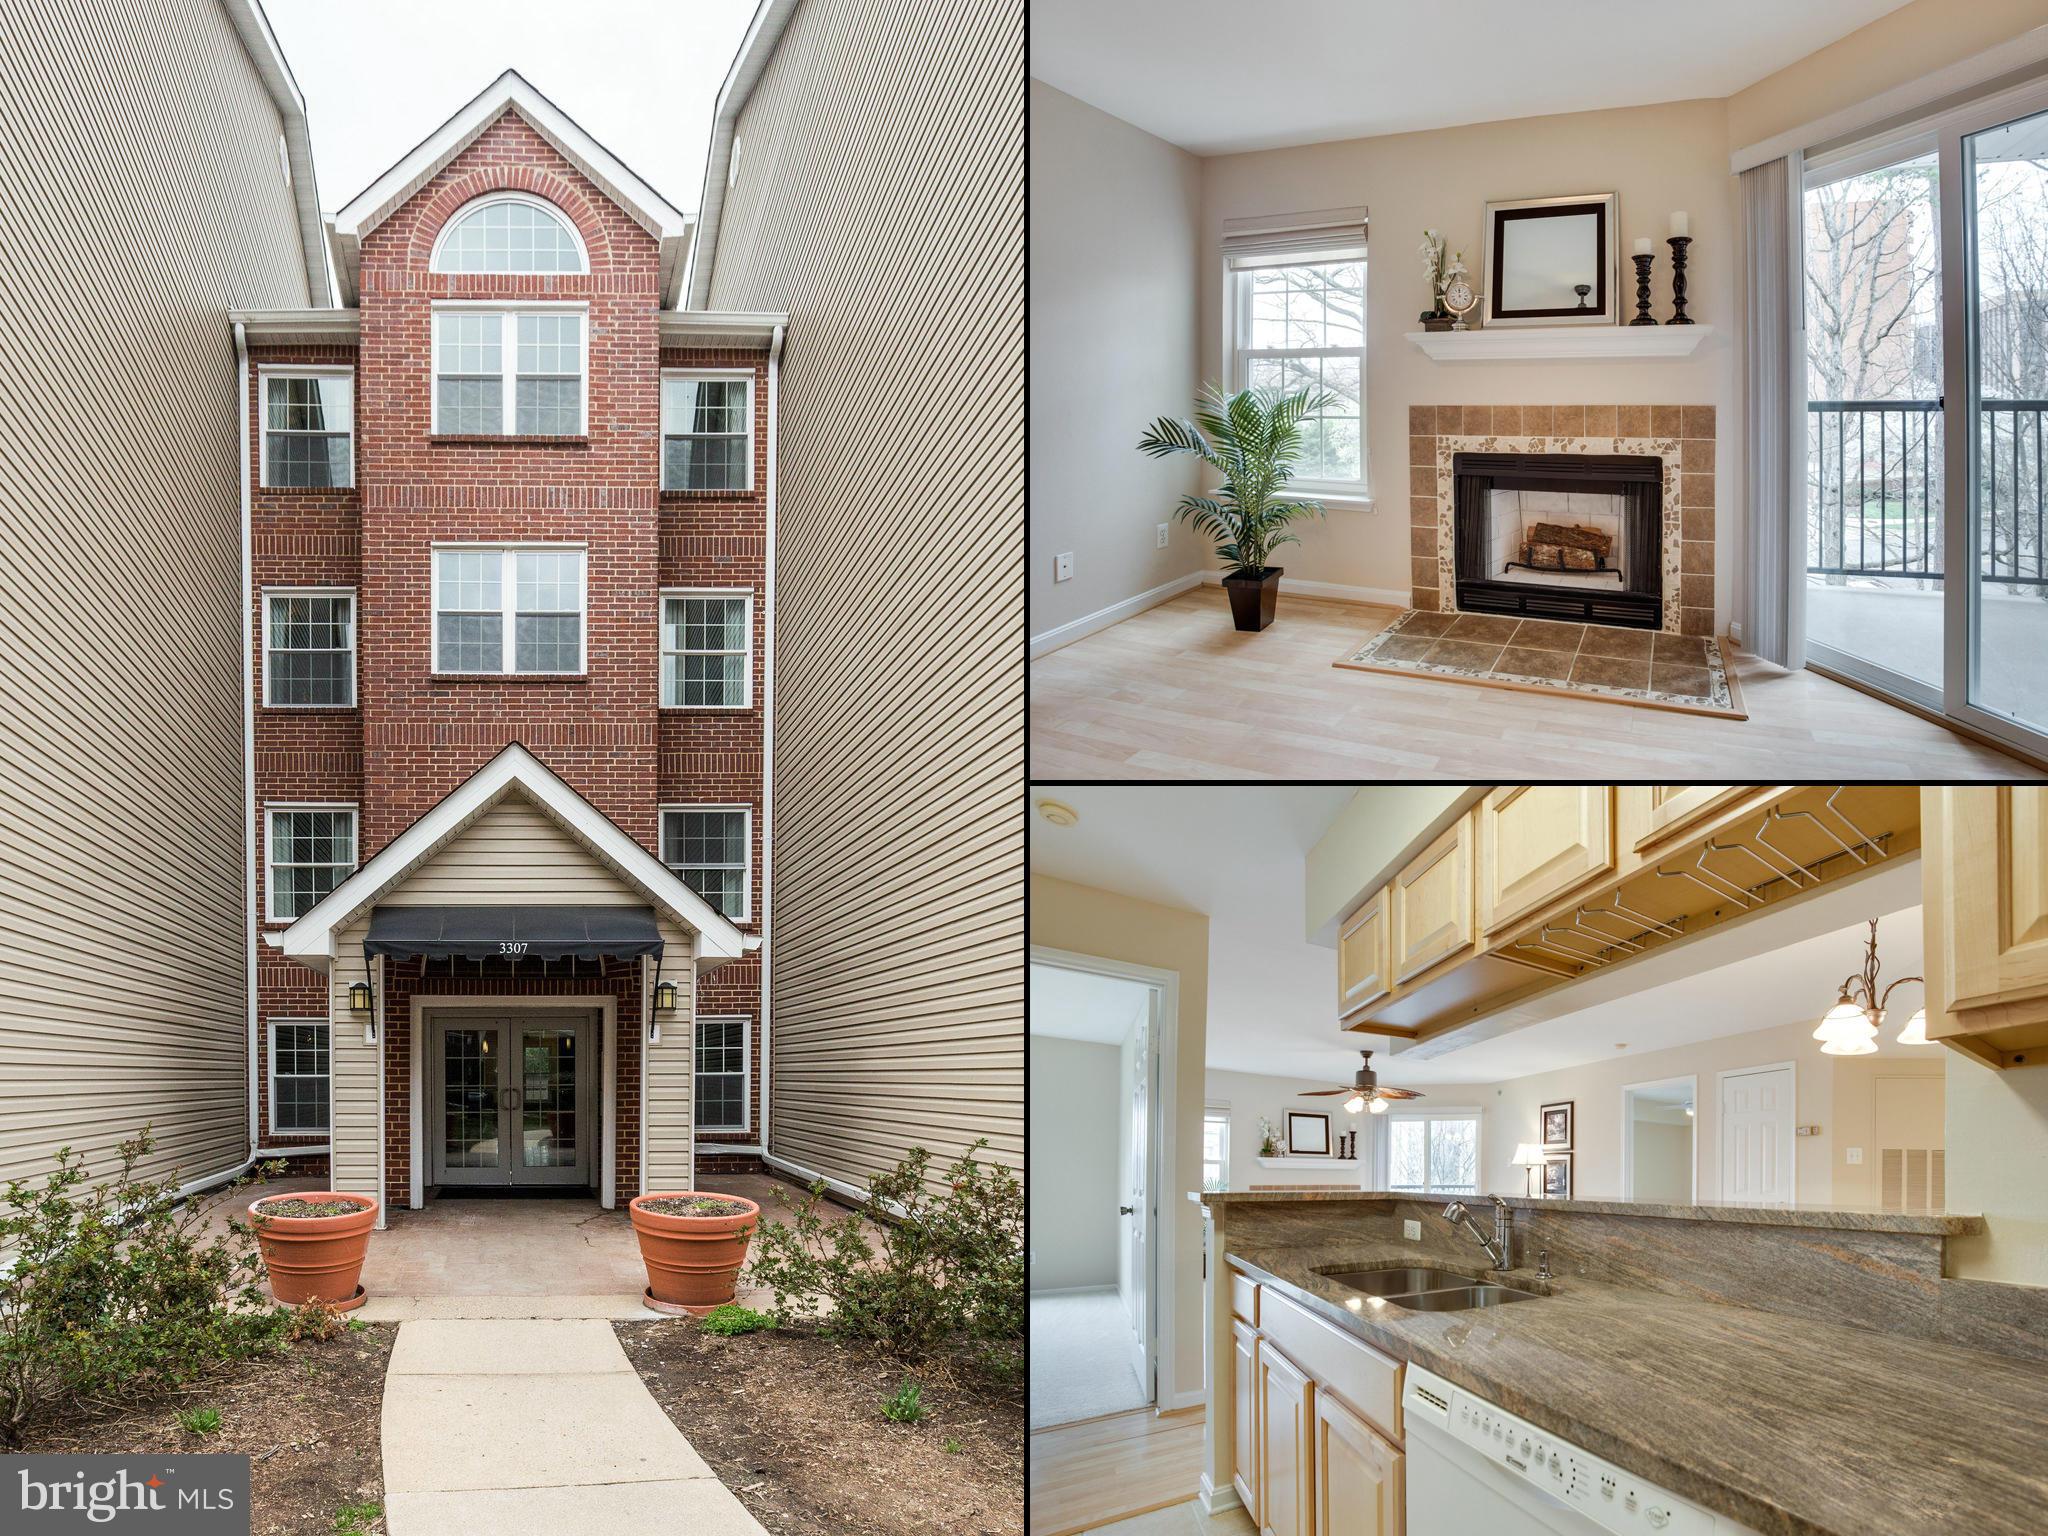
x=1616 y=1500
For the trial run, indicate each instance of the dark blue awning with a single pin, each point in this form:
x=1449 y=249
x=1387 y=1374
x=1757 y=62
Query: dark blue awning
x=514 y=933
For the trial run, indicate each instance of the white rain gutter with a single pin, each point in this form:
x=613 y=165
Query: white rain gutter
x=248 y=711
x=768 y=744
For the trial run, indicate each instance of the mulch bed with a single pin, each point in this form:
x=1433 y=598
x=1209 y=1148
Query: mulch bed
x=792 y=1423
x=308 y=1419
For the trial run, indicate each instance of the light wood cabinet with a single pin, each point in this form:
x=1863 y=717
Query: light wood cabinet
x=1245 y=1420
x=1285 y=1435
x=1357 y=1474
x=1537 y=844
x=1667 y=810
x=1431 y=911
x=1986 y=874
x=1362 y=978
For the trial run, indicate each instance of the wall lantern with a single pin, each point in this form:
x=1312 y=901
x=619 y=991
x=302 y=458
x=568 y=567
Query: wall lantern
x=359 y=997
x=665 y=997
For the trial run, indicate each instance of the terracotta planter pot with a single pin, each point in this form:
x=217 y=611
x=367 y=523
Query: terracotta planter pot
x=315 y=1258
x=693 y=1262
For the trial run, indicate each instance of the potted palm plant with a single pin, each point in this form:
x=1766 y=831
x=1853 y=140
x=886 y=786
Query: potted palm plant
x=1253 y=439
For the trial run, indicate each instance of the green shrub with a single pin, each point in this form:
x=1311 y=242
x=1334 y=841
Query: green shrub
x=733 y=1318
x=118 y=1292
x=942 y=1266
x=905 y=1405
x=951 y=1446
x=356 y=1519
x=199 y=1421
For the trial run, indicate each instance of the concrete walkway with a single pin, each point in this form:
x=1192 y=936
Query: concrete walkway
x=531 y=1424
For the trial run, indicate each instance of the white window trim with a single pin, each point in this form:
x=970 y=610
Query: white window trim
x=746 y=1023
x=743 y=374
x=478 y=204
x=1239 y=301
x=300 y=1130
x=1220 y=1113
x=662 y=652
x=508 y=596
x=264 y=658
x=508 y=360
x=1472 y=1112
x=271 y=809
x=746 y=912
x=264 y=374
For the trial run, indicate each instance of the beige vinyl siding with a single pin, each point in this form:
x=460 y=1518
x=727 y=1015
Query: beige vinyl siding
x=355 y=1070
x=879 y=201
x=671 y=1081
x=143 y=196
x=513 y=855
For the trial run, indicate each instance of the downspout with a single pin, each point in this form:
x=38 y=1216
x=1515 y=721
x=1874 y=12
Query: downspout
x=768 y=742
x=248 y=711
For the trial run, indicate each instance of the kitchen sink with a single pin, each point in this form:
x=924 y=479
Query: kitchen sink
x=1398 y=1282
x=1461 y=1299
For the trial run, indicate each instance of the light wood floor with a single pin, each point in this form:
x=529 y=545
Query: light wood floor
x=1176 y=693
x=1088 y=1474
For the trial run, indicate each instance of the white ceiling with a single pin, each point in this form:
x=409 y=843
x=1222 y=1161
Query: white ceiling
x=1216 y=76
x=1075 y=1005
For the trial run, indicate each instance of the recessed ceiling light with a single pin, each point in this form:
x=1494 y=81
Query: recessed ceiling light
x=1059 y=815
x=1621 y=1045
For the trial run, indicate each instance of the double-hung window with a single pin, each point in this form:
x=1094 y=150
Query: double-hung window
x=308 y=427
x=513 y=371
x=1433 y=1154
x=298 y=1076
x=1298 y=322
x=1216 y=1147
x=707 y=650
x=711 y=847
x=508 y=608
x=707 y=431
x=722 y=1072
x=309 y=649
x=309 y=850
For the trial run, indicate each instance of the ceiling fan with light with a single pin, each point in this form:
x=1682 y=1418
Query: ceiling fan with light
x=1365 y=1091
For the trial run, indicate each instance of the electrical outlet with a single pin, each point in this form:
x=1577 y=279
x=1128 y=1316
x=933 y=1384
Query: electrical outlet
x=1159 y=536
x=1855 y=1156
x=1063 y=567
x=1412 y=1230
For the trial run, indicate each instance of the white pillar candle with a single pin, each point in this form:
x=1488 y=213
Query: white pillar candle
x=1642 y=245
x=1680 y=225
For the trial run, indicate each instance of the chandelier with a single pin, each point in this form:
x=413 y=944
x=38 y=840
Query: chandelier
x=1850 y=1027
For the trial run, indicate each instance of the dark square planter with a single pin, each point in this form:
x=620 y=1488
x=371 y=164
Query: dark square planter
x=1252 y=598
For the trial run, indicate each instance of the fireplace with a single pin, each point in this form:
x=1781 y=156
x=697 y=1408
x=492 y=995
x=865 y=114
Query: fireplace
x=1570 y=536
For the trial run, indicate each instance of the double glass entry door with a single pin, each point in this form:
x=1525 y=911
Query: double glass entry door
x=512 y=1099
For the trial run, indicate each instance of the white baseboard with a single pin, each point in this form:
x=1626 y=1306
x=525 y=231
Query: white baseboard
x=1102 y=618
x=1216 y=1500
x=1199 y=1398
x=1384 y=597
x=1074 y=1290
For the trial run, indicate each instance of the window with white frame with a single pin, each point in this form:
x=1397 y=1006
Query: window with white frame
x=298 y=1076
x=707 y=650
x=508 y=232
x=501 y=372
x=508 y=608
x=1433 y=1154
x=309 y=849
x=1216 y=1147
x=710 y=846
x=707 y=431
x=308 y=428
x=309 y=649
x=1299 y=322
x=722 y=1072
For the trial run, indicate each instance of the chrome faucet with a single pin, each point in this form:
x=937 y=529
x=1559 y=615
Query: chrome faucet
x=1500 y=1247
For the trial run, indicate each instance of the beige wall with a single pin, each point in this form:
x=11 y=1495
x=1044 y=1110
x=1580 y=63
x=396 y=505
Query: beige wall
x=1076 y=1162
x=1656 y=158
x=1251 y=1095
x=1664 y=1160
x=1998 y=1167
x=1087 y=921
x=1114 y=233
x=1871 y=1112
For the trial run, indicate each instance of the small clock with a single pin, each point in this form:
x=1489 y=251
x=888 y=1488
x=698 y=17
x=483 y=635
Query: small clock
x=1459 y=299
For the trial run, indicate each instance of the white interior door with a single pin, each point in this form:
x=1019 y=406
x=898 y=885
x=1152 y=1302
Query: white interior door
x=1137 y=1207
x=1756 y=1135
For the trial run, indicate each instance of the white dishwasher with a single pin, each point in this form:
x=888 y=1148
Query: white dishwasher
x=1474 y=1468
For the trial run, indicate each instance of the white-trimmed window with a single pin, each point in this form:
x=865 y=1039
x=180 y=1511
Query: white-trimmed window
x=308 y=427
x=707 y=431
x=707 y=650
x=1216 y=1147
x=298 y=1076
x=711 y=847
x=1433 y=1153
x=722 y=1069
x=1298 y=322
x=509 y=371
x=509 y=608
x=309 y=648
x=509 y=232
x=308 y=851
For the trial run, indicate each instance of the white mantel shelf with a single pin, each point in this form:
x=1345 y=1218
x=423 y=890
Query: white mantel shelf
x=1308 y=1162
x=1515 y=343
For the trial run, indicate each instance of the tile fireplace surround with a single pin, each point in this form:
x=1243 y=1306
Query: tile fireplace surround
x=1682 y=436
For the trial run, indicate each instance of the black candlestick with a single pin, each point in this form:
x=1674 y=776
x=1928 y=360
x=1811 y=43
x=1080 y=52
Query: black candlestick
x=1678 y=243
x=1643 y=315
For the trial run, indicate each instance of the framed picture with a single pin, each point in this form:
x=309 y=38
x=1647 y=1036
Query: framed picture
x=1557 y=1127
x=1551 y=261
x=1308 y=1133
x=1557 y=1177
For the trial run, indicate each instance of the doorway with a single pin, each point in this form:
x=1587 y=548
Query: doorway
x=1757 y=1109
x=512 y=1099
x=1659 y=1151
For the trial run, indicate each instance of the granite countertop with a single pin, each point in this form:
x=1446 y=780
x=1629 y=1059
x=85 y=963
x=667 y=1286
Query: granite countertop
x=1841 y=1217
x=1788 y=1426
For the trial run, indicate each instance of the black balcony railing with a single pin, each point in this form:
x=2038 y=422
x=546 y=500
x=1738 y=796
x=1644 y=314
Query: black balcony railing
x=1874 y=488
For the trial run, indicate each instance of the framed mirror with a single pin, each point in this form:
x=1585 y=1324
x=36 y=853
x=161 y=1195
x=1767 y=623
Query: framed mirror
x=1551 y=261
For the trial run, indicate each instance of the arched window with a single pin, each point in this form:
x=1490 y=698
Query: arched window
x=509 y=233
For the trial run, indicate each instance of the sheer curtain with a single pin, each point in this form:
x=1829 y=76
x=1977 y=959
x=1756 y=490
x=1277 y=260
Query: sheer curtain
x=1774 y=620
